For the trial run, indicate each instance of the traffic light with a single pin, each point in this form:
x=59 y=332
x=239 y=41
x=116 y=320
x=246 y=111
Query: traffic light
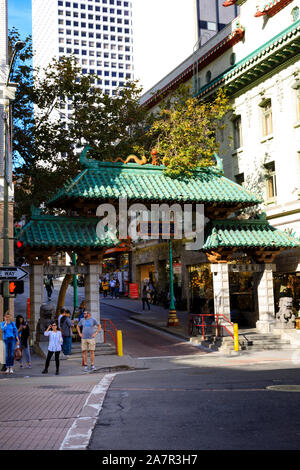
x=19 y=257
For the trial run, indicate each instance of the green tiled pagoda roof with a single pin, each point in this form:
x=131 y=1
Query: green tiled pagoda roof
x=64 y=232
x=246 y=233
x=113 y=180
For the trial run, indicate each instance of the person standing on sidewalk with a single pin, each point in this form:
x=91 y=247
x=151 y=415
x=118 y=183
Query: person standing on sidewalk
x=10 y=338
x=145 y=296
x=55 y=342
x=66 y=326
x=88 y=341
x=105 y=287
x=112 y=287
x=117 y=289
x=49 y=286
x=23 y=333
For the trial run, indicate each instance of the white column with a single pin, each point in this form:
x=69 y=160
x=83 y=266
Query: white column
x=91 y=293
x=221 y=290
x=265 y=294
x=36 y=296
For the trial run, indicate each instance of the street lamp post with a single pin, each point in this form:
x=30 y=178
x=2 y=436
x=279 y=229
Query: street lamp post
x=172 y=318
x=8 y=97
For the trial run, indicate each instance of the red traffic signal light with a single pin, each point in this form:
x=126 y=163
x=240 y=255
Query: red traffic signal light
x=20 y=244
x=16 y=287
x=12 y=287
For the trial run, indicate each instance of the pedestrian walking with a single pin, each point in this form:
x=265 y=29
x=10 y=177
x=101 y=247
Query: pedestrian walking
x=81 y=310
x=105 y=288
x=10 y=338
x=49 y=286
x=112 y=287
x=23 y=334
x=66 y=326
x=117 y=289
x=88 y=341
x=54 y=347
x=145 y=296
x=62 y=311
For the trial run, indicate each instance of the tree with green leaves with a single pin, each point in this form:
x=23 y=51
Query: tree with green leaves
x=47 y=141
x=184 y=131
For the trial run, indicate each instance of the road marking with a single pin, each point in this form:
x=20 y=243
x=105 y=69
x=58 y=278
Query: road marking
x=79 y=434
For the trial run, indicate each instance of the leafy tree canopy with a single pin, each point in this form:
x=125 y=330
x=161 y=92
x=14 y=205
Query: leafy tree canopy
x=46 y=147
x=184 y=130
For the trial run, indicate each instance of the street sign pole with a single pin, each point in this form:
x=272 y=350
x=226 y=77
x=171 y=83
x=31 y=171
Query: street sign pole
x=172 y=317
x=75 y=284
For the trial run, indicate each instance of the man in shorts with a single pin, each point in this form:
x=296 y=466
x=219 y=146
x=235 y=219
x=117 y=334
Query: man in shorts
x=88 y=338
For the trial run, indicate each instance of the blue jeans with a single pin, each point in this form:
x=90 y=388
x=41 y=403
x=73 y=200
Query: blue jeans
x=10 y=344
x=67 y=345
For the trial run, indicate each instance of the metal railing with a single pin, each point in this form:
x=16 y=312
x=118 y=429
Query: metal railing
x=208 y=324
x=110 y=330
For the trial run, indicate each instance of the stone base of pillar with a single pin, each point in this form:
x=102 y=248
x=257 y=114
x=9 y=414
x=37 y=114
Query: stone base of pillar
x=172 y=318
x=265 y=326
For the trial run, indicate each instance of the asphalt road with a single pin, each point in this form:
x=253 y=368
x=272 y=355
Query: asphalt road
x=200 y=408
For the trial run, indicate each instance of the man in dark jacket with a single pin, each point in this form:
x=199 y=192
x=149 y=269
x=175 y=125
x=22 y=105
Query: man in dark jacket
x=66 y=326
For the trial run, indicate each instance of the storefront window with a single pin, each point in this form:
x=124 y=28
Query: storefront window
x=242 y=298
x=200 y=287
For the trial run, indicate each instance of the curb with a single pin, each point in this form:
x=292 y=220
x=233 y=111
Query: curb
x=79 y=435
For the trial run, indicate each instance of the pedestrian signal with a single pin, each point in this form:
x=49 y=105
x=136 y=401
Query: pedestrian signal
x=16 y=287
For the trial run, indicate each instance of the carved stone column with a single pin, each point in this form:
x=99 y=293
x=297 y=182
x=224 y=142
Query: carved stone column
x=36 y=297
x=221 y=289
x=91 y=293
x=265 y=294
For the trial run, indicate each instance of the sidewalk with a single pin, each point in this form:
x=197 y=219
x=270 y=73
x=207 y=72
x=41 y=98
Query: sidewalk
x=51 y=412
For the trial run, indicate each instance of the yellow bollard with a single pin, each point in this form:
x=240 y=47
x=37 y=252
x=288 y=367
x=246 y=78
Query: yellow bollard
x=120 y=343
x=236 y=336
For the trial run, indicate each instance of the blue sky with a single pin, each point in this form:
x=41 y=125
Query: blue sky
x=19 y=15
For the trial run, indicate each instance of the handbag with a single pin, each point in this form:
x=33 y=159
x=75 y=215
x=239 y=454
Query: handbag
x=18 y=354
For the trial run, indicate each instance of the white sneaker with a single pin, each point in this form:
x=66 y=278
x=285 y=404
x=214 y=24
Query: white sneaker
x=85 y=368
x=7 y=370
x=93 y=367
x=11 y=370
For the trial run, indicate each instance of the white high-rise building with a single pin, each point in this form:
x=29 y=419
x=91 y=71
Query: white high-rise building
x=97 y=32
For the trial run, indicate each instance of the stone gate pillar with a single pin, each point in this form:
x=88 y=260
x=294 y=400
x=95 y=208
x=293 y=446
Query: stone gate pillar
x=36 y=297
x=265 y=295
x=91 y=292
x=221 y=289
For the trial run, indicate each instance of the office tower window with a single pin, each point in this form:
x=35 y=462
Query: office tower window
x=112 y=17
x=212 y=17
